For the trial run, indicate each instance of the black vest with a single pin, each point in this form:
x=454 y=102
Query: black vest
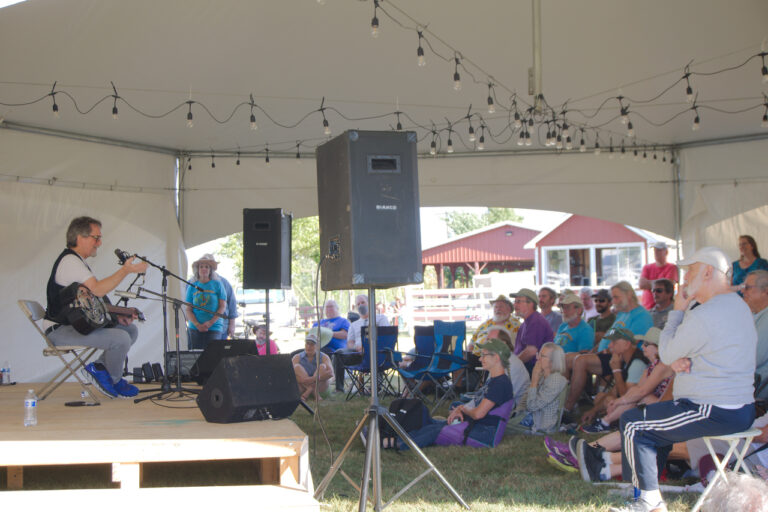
x=53 y=290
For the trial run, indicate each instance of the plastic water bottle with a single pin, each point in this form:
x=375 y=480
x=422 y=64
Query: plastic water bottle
x=6 y=373
x=30 y=409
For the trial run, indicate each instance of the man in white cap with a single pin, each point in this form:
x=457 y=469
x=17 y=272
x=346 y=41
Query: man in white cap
x=657 y=270
x=306 y=364
x=701 y=345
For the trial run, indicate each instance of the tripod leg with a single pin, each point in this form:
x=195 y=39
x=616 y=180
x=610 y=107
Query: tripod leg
x=407 y=439
x=340 y=458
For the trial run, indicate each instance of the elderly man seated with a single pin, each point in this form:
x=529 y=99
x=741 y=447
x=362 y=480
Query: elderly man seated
x=502 y=317
x=313 y=368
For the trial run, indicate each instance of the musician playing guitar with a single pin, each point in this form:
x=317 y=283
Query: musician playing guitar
x=83 y=241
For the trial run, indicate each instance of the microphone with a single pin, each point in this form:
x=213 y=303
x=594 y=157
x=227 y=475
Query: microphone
x=122 y=256
x=127 y=295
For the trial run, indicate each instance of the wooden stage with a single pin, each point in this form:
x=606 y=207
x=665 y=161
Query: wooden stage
x=127 y=435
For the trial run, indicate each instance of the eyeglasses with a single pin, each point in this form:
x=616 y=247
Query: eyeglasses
x=749 y=286
x=658 y=290
x=600 y=300
x=95 y=237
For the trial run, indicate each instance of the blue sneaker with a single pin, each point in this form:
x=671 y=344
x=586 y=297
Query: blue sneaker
x=125 y=390
x=101 y=380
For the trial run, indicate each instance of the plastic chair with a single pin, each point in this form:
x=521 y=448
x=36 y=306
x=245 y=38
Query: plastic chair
x=73 y=357
x=733 y=442
x=360 y=373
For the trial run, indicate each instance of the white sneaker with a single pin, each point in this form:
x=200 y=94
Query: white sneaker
x=641 y=506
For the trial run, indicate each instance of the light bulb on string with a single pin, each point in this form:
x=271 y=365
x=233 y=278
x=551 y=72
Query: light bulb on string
x=326 y=126
x=764 y=72
x=399 y=126
x=491 y=105
x=624 y=115
x=456 y=76
x=645 y=155
x=610 y=150
x=253 y=124
x=568 y=143
x=420 y=60
x=559 y=141
x=521 y=139
x=449 y=148
x=623 y=149
x=528 y=138
x=696 y=121
x=298 y=152
x=518 y=122
x=597 y=147
x=213 y=164
x=481 y=140
x=582 y=144
x=630 y=129
x=565 y=130
x=237 y=162
x=375 y=20
x=433 y=147
x=764 y=123
x=190 y=122
x=54 y=107
x=266 y=155
x=636 y=155
x=472 y=137
x=688 y=89
x=114 y=105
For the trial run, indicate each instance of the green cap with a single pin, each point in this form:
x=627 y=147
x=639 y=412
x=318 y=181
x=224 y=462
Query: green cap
x=496 y=346
x=528 y=294
x=619 y=333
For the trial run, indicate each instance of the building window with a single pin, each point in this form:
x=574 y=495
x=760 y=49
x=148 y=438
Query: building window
x=616 y=264
x=557 y=268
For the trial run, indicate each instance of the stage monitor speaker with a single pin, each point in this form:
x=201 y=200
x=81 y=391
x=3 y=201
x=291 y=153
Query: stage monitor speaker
x=247 y=388
x=188 y=360
x=215 y=351
x=266 y=249
x=368 y=202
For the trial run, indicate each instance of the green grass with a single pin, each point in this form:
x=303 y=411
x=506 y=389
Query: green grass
x=514 y=476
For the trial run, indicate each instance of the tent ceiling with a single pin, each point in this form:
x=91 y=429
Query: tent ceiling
x=290 y=54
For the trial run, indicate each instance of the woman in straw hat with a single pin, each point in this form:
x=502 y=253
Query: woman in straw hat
x=206 y=292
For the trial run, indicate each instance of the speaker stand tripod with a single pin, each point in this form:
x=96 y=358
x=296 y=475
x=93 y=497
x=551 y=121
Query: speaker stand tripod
x=372 y=464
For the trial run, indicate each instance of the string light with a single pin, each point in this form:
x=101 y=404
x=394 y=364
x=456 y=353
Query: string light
x=213 y=164
x=521 y=139
x=481 y=141
x=491 y=106
x=582 y=144
x=114 y=105
x=449 y=148
x=696 y=120
x=764 y=124
x=610 y=149
x=568 y=143
x=688 y=88
x=399 y=124
x=433 y=144
x=456 y=76
x=190 y=122
x=298 y=151
x=764 y=70
x=636 y=155
x=472 y=137
x=528 y=138
x=597 y=147
x=237 y=162
x=623 y=149
x=375 y=20
x=630 y=129
x=266 y=154
x=559 y=141
x=420 y=60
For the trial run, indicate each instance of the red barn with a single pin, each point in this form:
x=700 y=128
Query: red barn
x=498 y=247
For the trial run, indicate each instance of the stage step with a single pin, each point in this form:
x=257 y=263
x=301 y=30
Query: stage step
x=247 y=497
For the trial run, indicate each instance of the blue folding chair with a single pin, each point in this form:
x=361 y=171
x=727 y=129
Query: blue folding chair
x=448 y=358
x=360 y=374
x=414 y=374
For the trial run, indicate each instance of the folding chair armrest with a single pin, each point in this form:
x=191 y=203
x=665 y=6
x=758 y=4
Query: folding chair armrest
x=454 y=359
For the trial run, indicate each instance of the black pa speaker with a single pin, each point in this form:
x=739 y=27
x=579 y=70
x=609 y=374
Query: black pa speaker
x=188 y=360
x=215 y=351
x=368 y=201
x=266 y=249
x=247 y=388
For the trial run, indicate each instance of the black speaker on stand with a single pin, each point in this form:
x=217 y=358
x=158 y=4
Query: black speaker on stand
x=370 y=236
x=266 y=251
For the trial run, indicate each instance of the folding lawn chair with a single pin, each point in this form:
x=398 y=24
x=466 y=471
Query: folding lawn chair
x=413 y=375
x=73 y=357
x=360 y=374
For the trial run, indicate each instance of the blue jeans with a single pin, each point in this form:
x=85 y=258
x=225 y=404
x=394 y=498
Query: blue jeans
x=424 y=436
x=200 y=340
x=647 y=435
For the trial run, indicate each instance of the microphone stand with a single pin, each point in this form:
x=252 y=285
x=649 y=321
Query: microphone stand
x=166 y=392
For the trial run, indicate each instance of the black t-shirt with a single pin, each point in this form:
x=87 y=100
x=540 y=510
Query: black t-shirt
x=498 y=390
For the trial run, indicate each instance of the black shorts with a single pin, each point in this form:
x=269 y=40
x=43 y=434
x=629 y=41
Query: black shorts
x=605 y=362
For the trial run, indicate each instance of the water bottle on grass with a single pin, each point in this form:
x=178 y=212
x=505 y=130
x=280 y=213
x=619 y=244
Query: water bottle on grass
x=30 y=409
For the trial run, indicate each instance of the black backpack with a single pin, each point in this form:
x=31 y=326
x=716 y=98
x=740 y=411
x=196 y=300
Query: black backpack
x=410 y=413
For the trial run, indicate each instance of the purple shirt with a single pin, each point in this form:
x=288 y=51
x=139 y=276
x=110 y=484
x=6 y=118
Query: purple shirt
x=535 y=331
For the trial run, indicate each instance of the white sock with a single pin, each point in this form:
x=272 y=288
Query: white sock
x=605 y=473
x=652 y=497
x=604 y=423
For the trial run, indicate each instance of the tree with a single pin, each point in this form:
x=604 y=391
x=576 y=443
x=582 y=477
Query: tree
x=232 y=249
x=459 y=222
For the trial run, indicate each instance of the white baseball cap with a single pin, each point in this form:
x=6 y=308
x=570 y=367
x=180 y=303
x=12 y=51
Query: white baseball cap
x=712 y=256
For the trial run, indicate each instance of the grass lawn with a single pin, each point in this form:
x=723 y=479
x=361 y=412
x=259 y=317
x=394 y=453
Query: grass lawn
x=514 y=476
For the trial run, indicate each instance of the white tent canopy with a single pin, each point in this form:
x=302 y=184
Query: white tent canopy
x=290 y=55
